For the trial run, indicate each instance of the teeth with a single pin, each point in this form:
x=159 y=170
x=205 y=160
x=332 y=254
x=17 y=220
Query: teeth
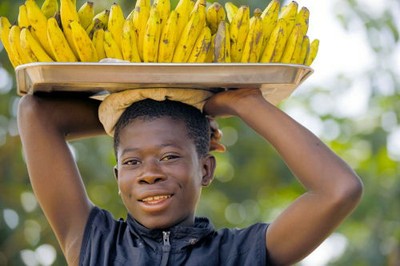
x=156 y=198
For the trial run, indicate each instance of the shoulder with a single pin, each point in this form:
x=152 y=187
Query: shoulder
x=102 y=231
x=242 y=246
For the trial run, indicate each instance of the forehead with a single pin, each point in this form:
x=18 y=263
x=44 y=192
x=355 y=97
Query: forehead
x=155 y=131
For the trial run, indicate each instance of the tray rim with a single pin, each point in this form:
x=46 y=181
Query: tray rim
x=302 y=72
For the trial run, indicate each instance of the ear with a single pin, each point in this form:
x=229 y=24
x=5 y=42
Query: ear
x=209 y=164
x=115 y=172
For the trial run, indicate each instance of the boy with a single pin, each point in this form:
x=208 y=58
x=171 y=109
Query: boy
x=162 y=164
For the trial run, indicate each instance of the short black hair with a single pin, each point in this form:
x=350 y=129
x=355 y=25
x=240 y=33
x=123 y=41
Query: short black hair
x=197 y=124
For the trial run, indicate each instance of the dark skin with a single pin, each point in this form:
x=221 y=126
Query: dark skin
x=332 y=189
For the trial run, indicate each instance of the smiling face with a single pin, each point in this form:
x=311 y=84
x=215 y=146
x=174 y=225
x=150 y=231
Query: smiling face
x=159 y=172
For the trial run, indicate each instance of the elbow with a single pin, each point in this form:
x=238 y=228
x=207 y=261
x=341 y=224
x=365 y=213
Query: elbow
x=349 y=194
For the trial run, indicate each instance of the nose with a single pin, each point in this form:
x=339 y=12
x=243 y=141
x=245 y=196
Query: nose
x=151 y=173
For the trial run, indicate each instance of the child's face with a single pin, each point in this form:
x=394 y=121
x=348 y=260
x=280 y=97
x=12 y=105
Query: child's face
x=159 y=173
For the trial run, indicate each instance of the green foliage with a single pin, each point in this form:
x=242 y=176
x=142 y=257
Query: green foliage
x=252 y=183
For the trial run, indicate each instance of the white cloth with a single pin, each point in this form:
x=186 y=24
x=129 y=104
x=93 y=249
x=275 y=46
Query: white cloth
x=113 y=105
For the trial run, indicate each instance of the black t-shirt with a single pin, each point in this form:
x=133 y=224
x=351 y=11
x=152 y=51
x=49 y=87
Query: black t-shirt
x=107 y=241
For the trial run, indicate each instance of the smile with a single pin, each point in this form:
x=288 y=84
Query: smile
x=156 y=199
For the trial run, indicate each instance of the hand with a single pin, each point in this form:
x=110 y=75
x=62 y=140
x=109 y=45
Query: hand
x=227 y=103
x=216 y=135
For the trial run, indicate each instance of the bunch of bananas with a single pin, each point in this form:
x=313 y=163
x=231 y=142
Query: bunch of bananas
x=192 y=32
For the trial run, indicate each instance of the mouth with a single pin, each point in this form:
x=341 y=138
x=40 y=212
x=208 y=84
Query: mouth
x=153 y=200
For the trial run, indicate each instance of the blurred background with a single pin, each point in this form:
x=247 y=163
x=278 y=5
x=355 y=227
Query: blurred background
x=352 y=102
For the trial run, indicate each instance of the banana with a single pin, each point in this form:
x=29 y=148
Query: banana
x=30 y=42
x=164 y=9
x=140 y=16
x=5 y=26
x=83 y=44
x=215 y=14
x=111 y=47
x=38 y=21
x=276 y=43
x=183 y=10
x=305 y=47
x=168 y=39
x=151 y=38
x=59 y=44
x=222 y=44
x=239 y=28
x=98 y=42
x=68 y=14
x=294 y=38
x=49 y=8
x=25 y=46
x=289 y=13
x=100 y=19
x=23 y=21
x=302 y=18
x=129 y=42
x=210 y=54
x=201 y=47
x=15 y=43
x=86 y=14
x=298 y=47
x=116 y=22
x=231 y=10
x=270 y=18
x=254 y=41
x=190 y=33
x=314 y=46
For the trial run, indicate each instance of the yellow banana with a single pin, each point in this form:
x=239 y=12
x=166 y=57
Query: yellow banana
x=111 y=47
x=231 y=10
x=86 y=14
x=298 y=46
x=276 y=43
x=129 y=42
x=151 y=38
x=26 y=47
x=270 y=18
x=210 y=53
x=305 y=47
x=23 y=21
x=15 y=43
x=68 y=14
x=59 y=44
x=190 y=33
x=38 y=21
x=49 y=8
x=27 y=39
x=201 y=47
x=254 y=41
x=183 y=10
x=291 y=44
x=100 y=20
x=314 y=46
x=83 y=44
x=164 y=9
x=98 y=42
x=215 y=14
x=239 y=28
x=5 y=26
x=289 y=13
x=168 y=39
x=116 y=22
x=302 y=18
x=222 y=44
x=140 y=16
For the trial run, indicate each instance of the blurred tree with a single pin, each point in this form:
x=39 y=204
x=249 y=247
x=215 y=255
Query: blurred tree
x=245 y=190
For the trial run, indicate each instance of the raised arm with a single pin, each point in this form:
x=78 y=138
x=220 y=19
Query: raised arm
x=44 y=125
x=332 y=188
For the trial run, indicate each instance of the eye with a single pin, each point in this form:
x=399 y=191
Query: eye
x=131 y=162
x=169 y=157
